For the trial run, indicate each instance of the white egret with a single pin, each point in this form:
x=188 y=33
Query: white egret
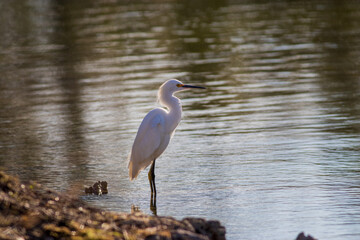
x=156 y=130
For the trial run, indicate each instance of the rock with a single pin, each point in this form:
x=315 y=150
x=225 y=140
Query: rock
x=302 y=236
x=98 y=188
x=30 y=211
x=104 y=185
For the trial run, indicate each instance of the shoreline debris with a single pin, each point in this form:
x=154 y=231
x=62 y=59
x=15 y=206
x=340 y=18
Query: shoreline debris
x=98 y=188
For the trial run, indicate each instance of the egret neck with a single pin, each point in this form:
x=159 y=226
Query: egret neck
x=173 y=105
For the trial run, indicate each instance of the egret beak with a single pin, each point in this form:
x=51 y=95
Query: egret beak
x=191 y=86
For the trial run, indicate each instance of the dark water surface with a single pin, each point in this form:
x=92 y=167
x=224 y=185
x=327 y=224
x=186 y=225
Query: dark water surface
x=271 y=148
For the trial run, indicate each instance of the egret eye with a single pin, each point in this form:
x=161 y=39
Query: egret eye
x=179 y=85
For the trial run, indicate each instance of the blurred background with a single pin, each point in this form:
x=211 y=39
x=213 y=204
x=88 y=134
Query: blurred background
x=270 y=148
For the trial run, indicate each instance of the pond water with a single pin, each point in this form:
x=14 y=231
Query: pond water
x=271 y=147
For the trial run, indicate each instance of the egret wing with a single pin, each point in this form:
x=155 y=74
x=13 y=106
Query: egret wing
x=147 y=142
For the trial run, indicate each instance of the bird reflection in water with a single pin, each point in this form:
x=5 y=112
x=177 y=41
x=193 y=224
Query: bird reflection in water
x=136 y=209
x=155 y=132
x=153 y=204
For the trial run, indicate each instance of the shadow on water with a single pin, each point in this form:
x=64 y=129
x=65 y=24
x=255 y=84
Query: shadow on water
x=199 y=44
x=339 y=73
x=68 y=59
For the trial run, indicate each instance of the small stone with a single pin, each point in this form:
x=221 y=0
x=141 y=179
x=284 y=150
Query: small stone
x=104 y=189
x=89 y=190
x=98 y=188
x=302 y=236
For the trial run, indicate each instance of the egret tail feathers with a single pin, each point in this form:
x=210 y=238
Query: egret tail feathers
x=133 y=173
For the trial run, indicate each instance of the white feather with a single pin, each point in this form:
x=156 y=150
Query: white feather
x=147 y=145
x=157 y=128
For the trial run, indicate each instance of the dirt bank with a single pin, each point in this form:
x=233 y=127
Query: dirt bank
x=30 y=211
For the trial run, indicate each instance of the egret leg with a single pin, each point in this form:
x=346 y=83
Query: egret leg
x=151 y=176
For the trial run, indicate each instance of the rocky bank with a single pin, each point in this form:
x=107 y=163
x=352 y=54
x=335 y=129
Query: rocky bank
x=30 y=211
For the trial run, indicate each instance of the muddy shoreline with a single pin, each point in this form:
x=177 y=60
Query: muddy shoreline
x=31 y=211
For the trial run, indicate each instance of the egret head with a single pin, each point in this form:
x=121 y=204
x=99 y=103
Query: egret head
x=174 y=85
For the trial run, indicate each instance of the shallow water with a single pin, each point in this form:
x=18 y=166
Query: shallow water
x=270 y=148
